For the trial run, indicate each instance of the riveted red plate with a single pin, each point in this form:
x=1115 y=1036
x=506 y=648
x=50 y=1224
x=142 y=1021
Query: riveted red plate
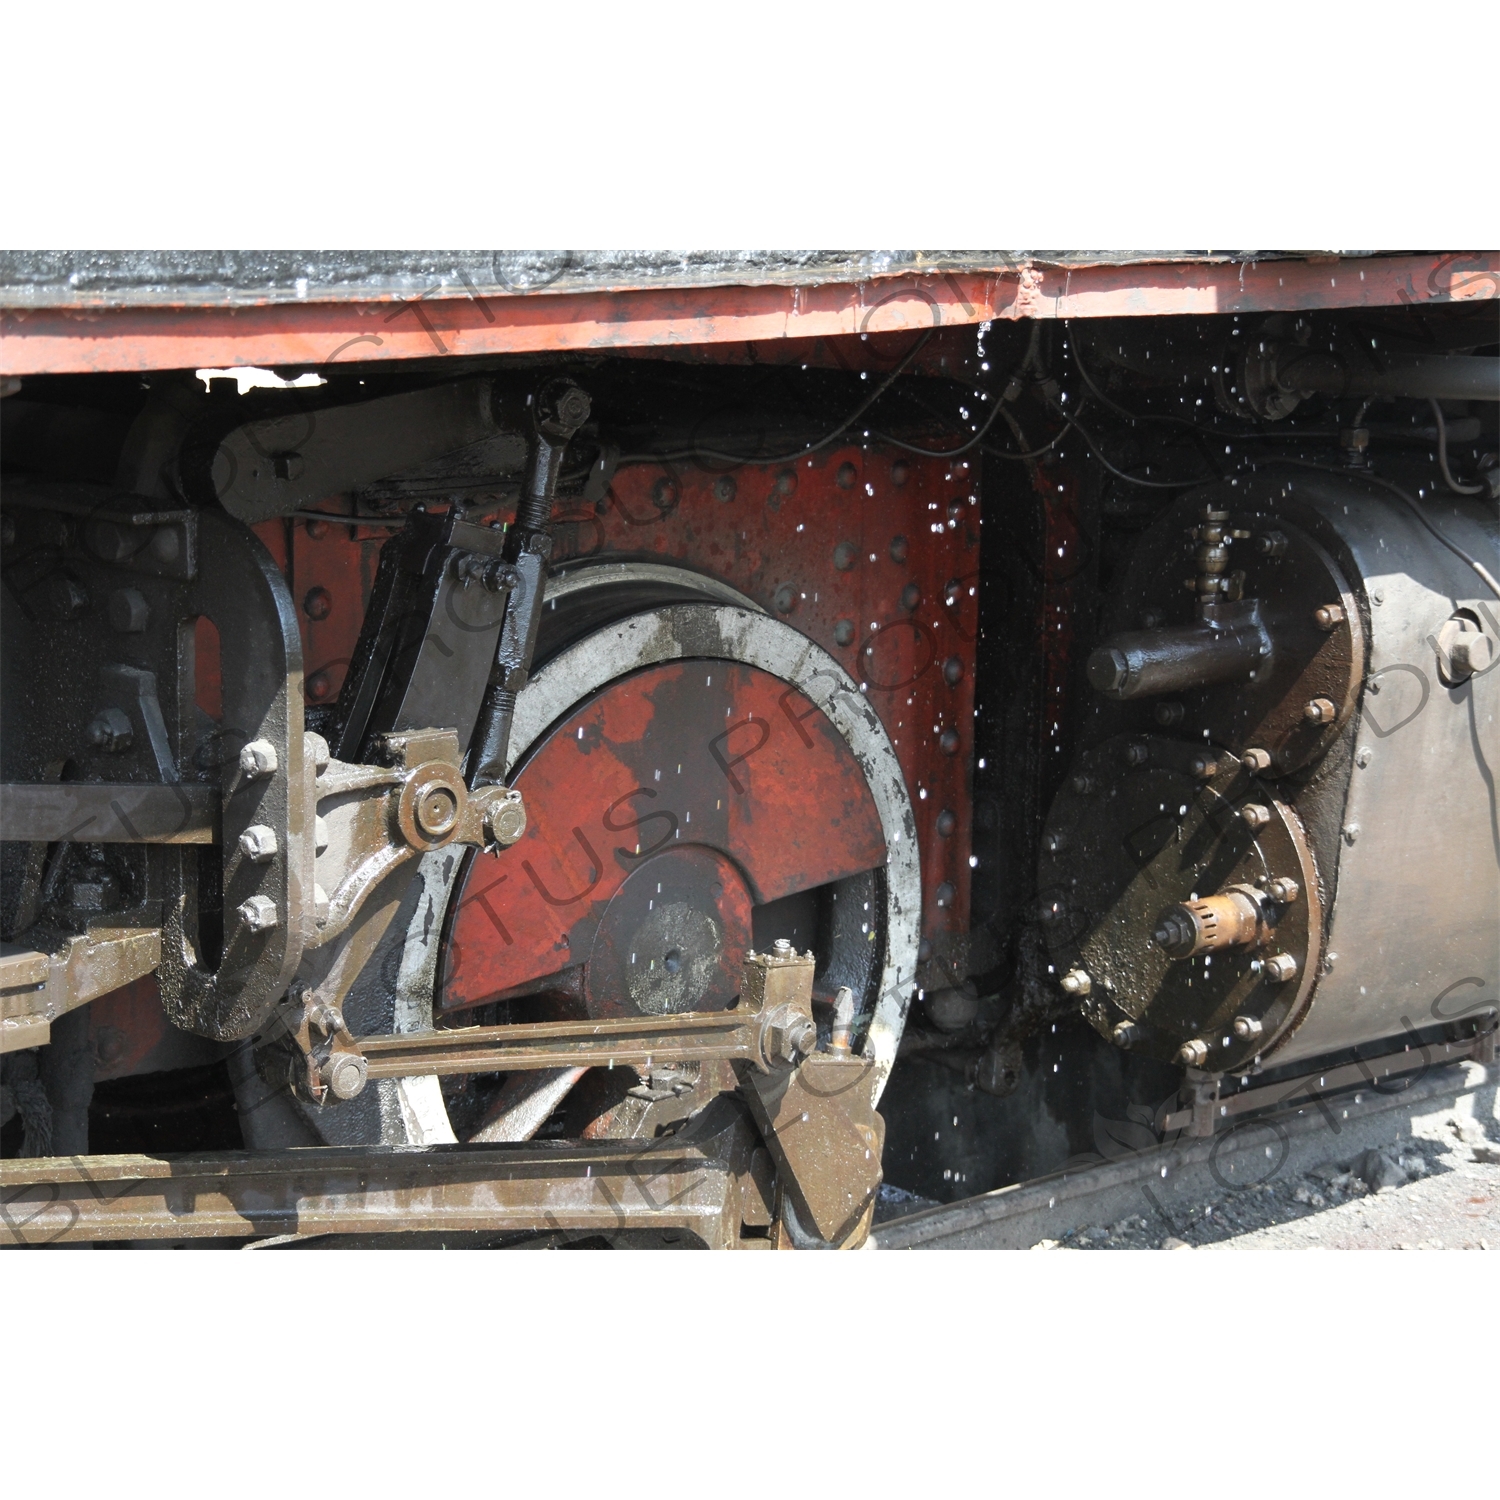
x=709 y=754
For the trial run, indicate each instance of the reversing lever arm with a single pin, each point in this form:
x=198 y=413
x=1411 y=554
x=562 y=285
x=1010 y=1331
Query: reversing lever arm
x=558 y=411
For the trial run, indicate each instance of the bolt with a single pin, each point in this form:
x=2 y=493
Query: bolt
x=945 y=894
x=1256 y=762
x=953 y=671
x=1246 y=1028
x=320 y=834
x=1329 y=616
x=1351 y=832
x=947 y=821
x=345 y=1074
x=844 y=555
x=561 y=409
x=1271 y=544
x=724 y=488
x=1167 y=714
x=1283 y=889
x=1076 y=982
x=1175 y=931
x=843 y=632
x=948 y=742
x=258 y=913
x=128 y=611
x=899 y=549
x=1083 y=784
x=315 y=749
x=1470 y=653
x=786 y=599
x=110 y=730
x=1254 y=815
x=506 y=821
x=1055 y=842
x=1193 y=1054
x=1320 y=711
x=317 y=604
x=1126 y=1034
x=1363 y=756
x=782 y=947
x=258 y=760
x=845 y=477
x=258 y=843
x=1205 y=767
x=1108 y=669
x=1279 y=968
x=1137 y=754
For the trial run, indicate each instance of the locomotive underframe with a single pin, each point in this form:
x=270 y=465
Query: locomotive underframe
x=949 y=680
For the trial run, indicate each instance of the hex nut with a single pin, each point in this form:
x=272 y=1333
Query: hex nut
x=1256 y=762
x=1247 y=1028
x=1283 y=889
x=258 y=760
x=1279 y=968
x=1329 y=616
x=1193 y=1054
x=1076 y=982
x=110 y=730
x=1205 y=767
x=258 y=913
x=1126 y=1034
x=258 y=843
x=128 y=611
x=1167 y=714
x=1254 y=815
x=1320 y=711
x=1137 y=754
x=345 y=1074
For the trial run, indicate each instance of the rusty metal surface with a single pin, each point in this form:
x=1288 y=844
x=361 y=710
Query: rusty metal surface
x=1289 y=576
x=630 y=800
x=36 y=988
x=692 y=1182
x=460 y=322
x=1412 y=936
x=873 y=554
x=96 y=812
x=1138 y=830
x=79 y=278
x=628 y=1041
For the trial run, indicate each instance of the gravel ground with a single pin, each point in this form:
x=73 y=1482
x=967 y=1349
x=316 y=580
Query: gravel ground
x=1428 y=1194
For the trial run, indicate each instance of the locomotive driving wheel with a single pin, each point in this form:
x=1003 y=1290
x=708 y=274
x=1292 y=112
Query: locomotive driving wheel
x=700 y=780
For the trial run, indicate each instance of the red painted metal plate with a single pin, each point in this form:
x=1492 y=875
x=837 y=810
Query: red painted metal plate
x=708 y=754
